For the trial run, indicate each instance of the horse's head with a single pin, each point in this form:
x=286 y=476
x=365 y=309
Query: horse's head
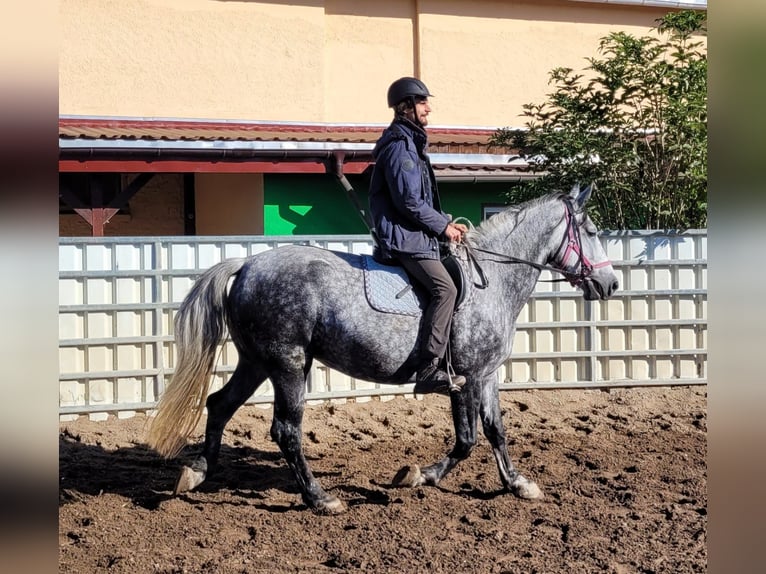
x=580 y=256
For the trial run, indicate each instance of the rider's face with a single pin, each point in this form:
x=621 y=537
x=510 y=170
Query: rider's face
x=421 y=111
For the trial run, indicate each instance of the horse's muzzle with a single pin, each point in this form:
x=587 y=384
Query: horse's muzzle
x=594 y=289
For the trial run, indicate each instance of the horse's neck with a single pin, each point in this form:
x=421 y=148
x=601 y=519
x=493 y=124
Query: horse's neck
x=521 y=242
x=516 y=281
x=528 y=240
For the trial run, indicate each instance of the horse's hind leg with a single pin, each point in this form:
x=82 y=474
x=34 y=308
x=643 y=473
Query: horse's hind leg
x=492 y=422
x=289 y=392
x=221 y=406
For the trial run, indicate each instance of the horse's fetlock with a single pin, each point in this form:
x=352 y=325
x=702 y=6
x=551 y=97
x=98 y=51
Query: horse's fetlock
x=200 y=465
x=430 y=479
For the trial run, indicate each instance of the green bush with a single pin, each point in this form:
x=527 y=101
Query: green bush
x=635 y=123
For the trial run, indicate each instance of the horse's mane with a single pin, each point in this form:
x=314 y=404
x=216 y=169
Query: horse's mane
x=505 y=221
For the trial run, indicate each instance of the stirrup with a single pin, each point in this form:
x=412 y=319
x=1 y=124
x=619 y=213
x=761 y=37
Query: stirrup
x=445 y=383
x=456 y=381
x=431 y=378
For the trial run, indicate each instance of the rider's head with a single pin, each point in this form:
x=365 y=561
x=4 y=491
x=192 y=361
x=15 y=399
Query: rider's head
x=409 y=99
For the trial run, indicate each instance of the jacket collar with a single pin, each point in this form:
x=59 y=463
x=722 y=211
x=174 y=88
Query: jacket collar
x=413 y=131
x=402 y=128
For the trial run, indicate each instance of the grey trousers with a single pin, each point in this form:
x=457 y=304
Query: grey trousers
x=437 y=318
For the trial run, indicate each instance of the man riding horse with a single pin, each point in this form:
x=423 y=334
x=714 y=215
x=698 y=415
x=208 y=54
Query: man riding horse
x=408 y=220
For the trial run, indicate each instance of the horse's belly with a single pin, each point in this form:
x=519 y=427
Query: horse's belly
x=375 y=346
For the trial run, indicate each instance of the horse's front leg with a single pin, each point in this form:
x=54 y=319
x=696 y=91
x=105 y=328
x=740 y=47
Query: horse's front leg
x=492 y=422
x=465 y=411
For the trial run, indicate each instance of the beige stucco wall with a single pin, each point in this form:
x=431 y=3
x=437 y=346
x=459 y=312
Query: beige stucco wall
x=228 y=203
x=323 y=61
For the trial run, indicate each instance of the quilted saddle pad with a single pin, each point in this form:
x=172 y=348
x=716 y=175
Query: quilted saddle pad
x=388 y=288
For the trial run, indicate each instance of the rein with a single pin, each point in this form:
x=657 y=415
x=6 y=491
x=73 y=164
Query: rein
x=511 y=259
x=571 y=244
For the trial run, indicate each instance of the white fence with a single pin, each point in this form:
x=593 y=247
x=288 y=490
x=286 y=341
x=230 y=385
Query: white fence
x=118 y=296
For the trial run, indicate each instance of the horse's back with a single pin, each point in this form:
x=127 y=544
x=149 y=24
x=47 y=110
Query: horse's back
x=314 y=299
x=294 y=275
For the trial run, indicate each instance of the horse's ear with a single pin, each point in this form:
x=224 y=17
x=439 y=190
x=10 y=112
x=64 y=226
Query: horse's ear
x=575 y=191
x=581 y=196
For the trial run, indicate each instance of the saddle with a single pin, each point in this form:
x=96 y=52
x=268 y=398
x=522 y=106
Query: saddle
x=389 y=289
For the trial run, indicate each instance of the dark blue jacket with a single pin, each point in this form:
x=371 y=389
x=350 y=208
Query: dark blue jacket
x=404 y=200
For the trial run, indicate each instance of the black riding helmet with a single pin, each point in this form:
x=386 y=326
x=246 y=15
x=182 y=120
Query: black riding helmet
x=404 y=88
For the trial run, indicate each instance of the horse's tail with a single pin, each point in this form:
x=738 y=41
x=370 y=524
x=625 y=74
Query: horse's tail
x=200 y=326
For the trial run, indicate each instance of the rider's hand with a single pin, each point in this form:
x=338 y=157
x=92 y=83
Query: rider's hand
x=455 y=231
x=461 y=227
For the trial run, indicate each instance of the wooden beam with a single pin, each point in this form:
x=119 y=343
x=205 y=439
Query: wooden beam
x=191 y=166
x=121 y=199
x=97 y=217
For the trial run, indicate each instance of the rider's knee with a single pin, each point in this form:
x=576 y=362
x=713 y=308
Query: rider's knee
x=447 y=292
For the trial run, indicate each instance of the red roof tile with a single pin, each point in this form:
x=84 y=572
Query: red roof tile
x=441 y=139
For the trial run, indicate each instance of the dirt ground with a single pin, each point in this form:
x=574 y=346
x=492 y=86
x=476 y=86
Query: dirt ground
x=623 y=472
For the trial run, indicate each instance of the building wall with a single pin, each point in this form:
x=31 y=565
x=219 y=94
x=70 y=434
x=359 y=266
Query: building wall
x=225 y=204
x=157 y=209
x=311 y=205
x=312 y=61
x=317 y=205
x=257 y=204
x=228 y=203
x=323 y=61
x=466 y=199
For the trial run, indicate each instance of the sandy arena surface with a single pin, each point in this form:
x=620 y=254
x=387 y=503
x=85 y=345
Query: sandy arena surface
x=623 y=472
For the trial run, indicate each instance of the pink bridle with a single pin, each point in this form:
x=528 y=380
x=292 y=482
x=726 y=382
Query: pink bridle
x=571 y=244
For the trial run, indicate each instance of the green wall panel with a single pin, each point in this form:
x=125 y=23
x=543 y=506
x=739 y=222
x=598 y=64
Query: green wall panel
x=311 y=205
x=317 y=205
x=467 y=199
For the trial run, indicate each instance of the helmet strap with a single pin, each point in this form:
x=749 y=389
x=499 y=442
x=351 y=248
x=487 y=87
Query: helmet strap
x=415 y=113
x=403 y=117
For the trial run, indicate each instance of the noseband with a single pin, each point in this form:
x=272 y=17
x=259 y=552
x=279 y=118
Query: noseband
x=571 y=246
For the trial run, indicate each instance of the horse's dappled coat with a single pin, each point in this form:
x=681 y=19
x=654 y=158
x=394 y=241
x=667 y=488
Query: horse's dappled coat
x=291 y=305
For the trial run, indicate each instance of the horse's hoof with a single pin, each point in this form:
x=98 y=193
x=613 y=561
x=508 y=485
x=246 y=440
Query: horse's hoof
x=330 y=506
x=527 y=489
x=408 y=476
x=188 y=479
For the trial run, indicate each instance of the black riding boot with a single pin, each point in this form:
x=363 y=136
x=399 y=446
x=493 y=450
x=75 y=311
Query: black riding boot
x=433 y=379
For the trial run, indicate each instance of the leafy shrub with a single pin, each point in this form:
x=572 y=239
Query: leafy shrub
x=635 y=123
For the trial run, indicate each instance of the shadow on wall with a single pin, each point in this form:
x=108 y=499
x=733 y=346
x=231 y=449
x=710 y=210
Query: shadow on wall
x=317 y=219
x=312 y=205
x=318 y=205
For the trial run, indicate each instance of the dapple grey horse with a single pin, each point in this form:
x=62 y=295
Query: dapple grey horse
x=293 y=304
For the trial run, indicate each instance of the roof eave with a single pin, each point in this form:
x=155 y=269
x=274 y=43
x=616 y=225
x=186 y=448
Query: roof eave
x=157 y=150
